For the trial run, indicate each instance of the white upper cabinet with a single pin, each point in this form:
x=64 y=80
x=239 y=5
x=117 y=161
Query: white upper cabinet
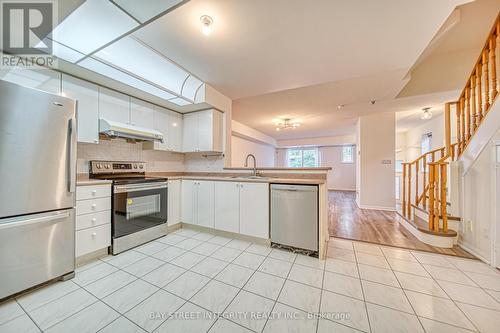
x=169 y=123
x=42 y=79
x=203 y=131
x=114 y=106
x=142 y=113
x=87 y=96
x=175 y=126
x=190 y=133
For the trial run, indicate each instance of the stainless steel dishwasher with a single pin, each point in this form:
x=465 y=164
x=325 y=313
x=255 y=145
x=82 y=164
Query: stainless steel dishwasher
x=294 y=216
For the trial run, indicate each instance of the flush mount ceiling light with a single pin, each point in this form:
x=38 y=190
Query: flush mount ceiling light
x=286 y=123
x=206 y=22
x=427 y=114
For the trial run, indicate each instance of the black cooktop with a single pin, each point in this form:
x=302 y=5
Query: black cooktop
x=124 y=180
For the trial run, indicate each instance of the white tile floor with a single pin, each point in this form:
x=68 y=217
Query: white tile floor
x=197 y=282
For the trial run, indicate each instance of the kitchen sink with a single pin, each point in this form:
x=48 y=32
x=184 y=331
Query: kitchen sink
x=251 y=177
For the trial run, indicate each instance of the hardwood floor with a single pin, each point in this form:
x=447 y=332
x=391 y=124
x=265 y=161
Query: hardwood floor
x=346 y=220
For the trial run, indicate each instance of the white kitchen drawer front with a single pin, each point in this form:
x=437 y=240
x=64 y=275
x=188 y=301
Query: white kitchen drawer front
x=93 y=239
x=93 y=205
x=93 y=220
x=91 y=192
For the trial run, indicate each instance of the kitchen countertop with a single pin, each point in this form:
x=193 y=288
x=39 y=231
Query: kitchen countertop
x=279 y=169
x=281 y=178
x=313 y=181
x=82 y=179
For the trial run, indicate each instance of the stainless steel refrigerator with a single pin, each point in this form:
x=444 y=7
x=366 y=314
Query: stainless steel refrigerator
x=37 y=187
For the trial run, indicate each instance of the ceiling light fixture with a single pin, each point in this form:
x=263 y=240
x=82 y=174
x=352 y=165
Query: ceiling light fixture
x=207 y=22
x=286 y=123
x=427 y=114
x=340 y=106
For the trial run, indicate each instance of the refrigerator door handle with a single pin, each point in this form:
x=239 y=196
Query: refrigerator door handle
x=43 y=219
x=71 y=155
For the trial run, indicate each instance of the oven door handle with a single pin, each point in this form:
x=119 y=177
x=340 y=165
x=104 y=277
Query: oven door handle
x=137 y=187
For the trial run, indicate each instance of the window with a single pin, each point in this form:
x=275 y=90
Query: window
x=302 y=158
x=399 y=165
x=426 y=146
x=426 y=143
x=347 y=154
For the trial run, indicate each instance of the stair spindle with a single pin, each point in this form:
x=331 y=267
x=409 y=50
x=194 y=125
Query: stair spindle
x=473 y=103
x=486 y=54
x=444 y=213
x=431 y=197
x=468 y=115
x=479 y=70
x=493 y=47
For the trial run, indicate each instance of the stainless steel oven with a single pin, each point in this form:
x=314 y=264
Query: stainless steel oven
x=139 y=203
x=138 y=206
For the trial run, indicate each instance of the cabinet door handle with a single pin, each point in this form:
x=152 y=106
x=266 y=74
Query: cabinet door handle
x=94 y=234
x=94 y=192
x=94 y=220
x=94 y=206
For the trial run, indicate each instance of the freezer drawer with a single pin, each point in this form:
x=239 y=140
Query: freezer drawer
x=35 y=248
x=294 y=216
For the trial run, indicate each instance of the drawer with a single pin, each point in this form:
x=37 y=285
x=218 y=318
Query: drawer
x=91 y=192
x=93 y=239
x=93 y=220
x=93 y=205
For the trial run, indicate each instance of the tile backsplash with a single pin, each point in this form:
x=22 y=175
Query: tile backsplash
x=121 y=150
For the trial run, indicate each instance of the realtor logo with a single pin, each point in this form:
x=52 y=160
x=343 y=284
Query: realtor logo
x=25 y=25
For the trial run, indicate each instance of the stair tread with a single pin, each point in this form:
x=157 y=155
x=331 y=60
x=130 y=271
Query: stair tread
x=450 y=217
x=423 y=226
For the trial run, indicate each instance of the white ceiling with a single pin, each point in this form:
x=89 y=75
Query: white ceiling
x=262 y=46
x=316 y=109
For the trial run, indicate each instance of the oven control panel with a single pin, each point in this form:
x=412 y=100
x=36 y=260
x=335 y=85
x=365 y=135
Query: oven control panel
x=97 y=167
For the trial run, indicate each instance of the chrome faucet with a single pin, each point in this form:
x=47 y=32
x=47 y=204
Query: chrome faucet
x=254 y=164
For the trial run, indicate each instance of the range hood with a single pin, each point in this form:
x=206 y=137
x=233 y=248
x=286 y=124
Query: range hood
x=116 y=129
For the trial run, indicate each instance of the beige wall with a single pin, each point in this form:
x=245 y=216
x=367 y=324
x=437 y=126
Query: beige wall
x=343 y=175
x=376 y=142
x=264 y=154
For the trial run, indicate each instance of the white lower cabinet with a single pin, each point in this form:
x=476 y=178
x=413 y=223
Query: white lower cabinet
x=198 y=202
x=93 y=239
x=93 y=218
x=188 y=201
x=238 y=207
x=174 y=201
x=254 y=209
x=205 y=203
x=227 y=206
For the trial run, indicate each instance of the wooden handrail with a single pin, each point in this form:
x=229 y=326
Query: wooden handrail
x=472 y=107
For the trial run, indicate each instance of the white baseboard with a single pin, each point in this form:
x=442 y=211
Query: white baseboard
x=389 y=209
x=342 y=189
x=473 y=252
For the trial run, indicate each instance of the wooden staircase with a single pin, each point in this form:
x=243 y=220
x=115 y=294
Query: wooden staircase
x=426 y=179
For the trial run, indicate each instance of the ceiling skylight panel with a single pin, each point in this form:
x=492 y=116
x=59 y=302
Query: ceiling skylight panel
x=190 y=87
x=65 y=53
x=146 y=9
x=92 y=25
x=139 y=59
x=112 y=73
x=180 y=101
